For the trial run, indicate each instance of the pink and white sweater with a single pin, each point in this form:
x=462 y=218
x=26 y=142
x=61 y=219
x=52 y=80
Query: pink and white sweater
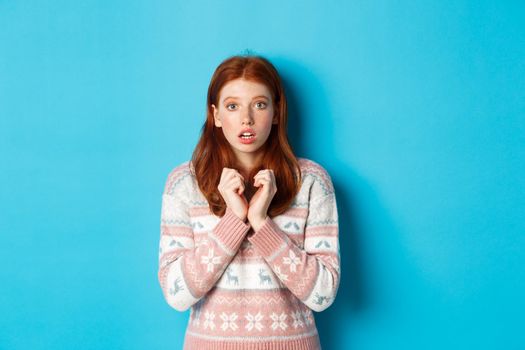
x=246 y=289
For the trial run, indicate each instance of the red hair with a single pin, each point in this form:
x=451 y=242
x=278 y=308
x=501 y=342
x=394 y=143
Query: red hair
x=213 y=152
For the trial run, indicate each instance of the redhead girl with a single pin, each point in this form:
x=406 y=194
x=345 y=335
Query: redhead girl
x=249 y=232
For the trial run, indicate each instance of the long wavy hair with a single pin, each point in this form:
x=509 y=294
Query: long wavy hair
x=213 y=152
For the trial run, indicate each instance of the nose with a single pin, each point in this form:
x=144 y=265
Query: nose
x=247 y=118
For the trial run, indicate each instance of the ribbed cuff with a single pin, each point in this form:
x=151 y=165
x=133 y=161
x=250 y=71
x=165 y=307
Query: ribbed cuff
x=231 y=230
x=268 y=238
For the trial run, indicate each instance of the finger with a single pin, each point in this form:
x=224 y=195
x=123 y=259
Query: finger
x=234 y=183
x=232 y=173
x=238 y=172
x=235 y=173
x=240 y=176
x=264 y=173
x=262 y=182
x=223 y=173
x=271 y=176
x=227 y=174
x=259 y=176
x=241 y=189
x=262 y=176
x=223 y=181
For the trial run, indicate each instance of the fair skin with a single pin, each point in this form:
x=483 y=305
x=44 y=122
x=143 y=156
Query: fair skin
x=241 y=104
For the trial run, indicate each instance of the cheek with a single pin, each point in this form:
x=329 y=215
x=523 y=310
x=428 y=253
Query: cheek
x=227 y=126
x=268 y=123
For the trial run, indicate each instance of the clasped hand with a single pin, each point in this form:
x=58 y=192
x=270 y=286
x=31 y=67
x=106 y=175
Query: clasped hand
x=231 y=186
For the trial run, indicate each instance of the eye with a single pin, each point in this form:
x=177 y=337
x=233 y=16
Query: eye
x=261 y=105
x=229 y=105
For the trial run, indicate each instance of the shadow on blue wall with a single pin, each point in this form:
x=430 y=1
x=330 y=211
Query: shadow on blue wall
x=352 y=293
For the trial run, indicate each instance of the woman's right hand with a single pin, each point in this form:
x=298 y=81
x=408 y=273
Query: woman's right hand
x=231 y=187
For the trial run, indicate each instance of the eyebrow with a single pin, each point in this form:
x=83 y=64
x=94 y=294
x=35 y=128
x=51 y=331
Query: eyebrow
x=235 y=97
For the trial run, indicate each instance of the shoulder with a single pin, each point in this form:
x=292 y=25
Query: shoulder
x=179 y=178
x=316 y=175
x=309 y=166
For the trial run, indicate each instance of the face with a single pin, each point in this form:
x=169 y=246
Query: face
x=245 y=106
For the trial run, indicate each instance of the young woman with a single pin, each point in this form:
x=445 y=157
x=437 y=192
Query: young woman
x=249 y=233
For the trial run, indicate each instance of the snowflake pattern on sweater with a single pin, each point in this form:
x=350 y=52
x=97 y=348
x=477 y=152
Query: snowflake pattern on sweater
x=242 y=285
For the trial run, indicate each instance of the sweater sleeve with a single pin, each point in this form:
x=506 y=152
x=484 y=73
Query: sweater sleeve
x=313 y=273
x=187 y=271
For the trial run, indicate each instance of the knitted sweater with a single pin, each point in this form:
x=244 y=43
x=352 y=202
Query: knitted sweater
x=246 y=289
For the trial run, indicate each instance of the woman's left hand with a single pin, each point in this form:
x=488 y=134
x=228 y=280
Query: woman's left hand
x=260 y=202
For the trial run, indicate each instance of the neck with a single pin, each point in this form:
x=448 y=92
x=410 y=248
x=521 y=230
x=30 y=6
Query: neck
x=247 y=161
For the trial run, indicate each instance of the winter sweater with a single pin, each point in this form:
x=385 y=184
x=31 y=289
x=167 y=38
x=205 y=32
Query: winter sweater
x=246 y=289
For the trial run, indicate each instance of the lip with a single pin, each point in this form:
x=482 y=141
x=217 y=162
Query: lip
x=251 y=131
x=247 y=141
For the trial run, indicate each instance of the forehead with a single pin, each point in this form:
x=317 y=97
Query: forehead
x=242 y=88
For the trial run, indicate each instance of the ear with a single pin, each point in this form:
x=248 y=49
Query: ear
x=215 y=116
x=275 y=119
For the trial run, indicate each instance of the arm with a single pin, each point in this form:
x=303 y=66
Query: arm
x=188 y=271
x=311 y=274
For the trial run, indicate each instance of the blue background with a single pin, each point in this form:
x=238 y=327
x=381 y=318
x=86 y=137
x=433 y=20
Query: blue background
x=416 y=109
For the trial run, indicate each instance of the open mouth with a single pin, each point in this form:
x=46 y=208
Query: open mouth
x=247 y=135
